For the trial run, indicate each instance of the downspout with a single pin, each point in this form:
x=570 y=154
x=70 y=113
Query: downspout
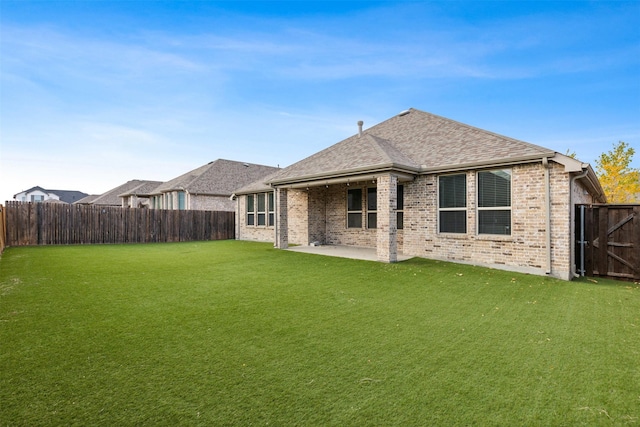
x=238 y=226
x=547 y=194
x=276 y=218
x=573 y=229
x=237 y=215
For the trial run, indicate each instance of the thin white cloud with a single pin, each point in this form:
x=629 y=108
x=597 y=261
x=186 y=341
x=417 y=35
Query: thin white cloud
x=269 y=90
x=46 y=53
x=465 y=50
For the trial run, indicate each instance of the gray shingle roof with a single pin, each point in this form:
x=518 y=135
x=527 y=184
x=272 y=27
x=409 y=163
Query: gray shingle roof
x=144 y=189
x=220 y=177
x=112 y=197
x=67 y=196
x=413 y=141
x=87 y=200
x=259 y=186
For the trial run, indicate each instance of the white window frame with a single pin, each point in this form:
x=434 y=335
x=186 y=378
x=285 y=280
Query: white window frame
x=271 y=199
x=349 y=212
x=261 y=214
x=268 y=213
x=459 y=209
x=400 y=211
x=372 y=211
x=251 y=213
x=494 y=208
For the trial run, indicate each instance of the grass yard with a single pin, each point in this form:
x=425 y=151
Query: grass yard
x=238 y=333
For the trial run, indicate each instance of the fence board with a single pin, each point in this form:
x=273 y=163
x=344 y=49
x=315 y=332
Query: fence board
x=613 y=236
x=62 y=224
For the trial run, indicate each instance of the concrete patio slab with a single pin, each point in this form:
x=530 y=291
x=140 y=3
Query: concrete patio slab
x=354 y=252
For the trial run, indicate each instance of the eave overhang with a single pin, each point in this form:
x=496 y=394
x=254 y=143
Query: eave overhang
x=405 y=173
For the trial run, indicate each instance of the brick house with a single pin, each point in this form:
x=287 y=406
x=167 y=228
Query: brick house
x=133 y=193
x=427 y=186
x=208 y=187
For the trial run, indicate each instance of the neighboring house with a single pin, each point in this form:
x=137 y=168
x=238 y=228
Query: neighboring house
x=208 y=187
x=427 y=186
x=39 y=194
x=118 y=196
x=87 y=200
x=138 y=196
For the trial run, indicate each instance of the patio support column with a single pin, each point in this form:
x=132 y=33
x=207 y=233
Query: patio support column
x=282 y=226
x=387 y=236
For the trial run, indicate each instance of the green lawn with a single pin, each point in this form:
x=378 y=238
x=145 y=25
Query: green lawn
x=238 y=333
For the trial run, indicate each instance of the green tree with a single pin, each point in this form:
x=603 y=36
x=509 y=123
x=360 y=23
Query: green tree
x=620 y=182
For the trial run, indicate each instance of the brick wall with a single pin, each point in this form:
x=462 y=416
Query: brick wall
x=209 y=203
x=387 y=249
x=319 y=214
x=524 y=250
x=196 y=202
x=298 y=206
x=250 y=232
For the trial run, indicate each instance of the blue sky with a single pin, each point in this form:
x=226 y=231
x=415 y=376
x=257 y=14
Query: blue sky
x=95 y=93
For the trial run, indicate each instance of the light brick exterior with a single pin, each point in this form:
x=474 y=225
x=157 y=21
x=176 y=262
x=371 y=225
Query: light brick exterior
x=250 y=232
x=210 y=203
x=387 y=242
x=282 y=218
x=201 y=202
x=318 y=214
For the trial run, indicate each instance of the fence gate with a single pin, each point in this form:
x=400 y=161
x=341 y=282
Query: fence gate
x=608 y=240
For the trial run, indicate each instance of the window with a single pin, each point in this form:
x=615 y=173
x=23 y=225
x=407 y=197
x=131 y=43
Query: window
x=37 y=198
x=181 y=200
x=270 y=207
x=262 y=209
x=354 y=208
x=452 y=203
x=251 y=215
x=494 y=202
x=372 y=208
x=400 y=207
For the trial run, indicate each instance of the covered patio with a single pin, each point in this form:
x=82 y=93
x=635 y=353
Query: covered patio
x=353 y=252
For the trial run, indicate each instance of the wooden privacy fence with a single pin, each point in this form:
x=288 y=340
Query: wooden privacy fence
x=63 y=224
x=611 y=243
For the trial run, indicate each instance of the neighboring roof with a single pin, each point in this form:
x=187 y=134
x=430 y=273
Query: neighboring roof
x=220 y=178
x=31 y=190
x=112 y=197
x=144 y=189
x=259 y=186
x=87 y=200
x=414 y=142
x=67 y=196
